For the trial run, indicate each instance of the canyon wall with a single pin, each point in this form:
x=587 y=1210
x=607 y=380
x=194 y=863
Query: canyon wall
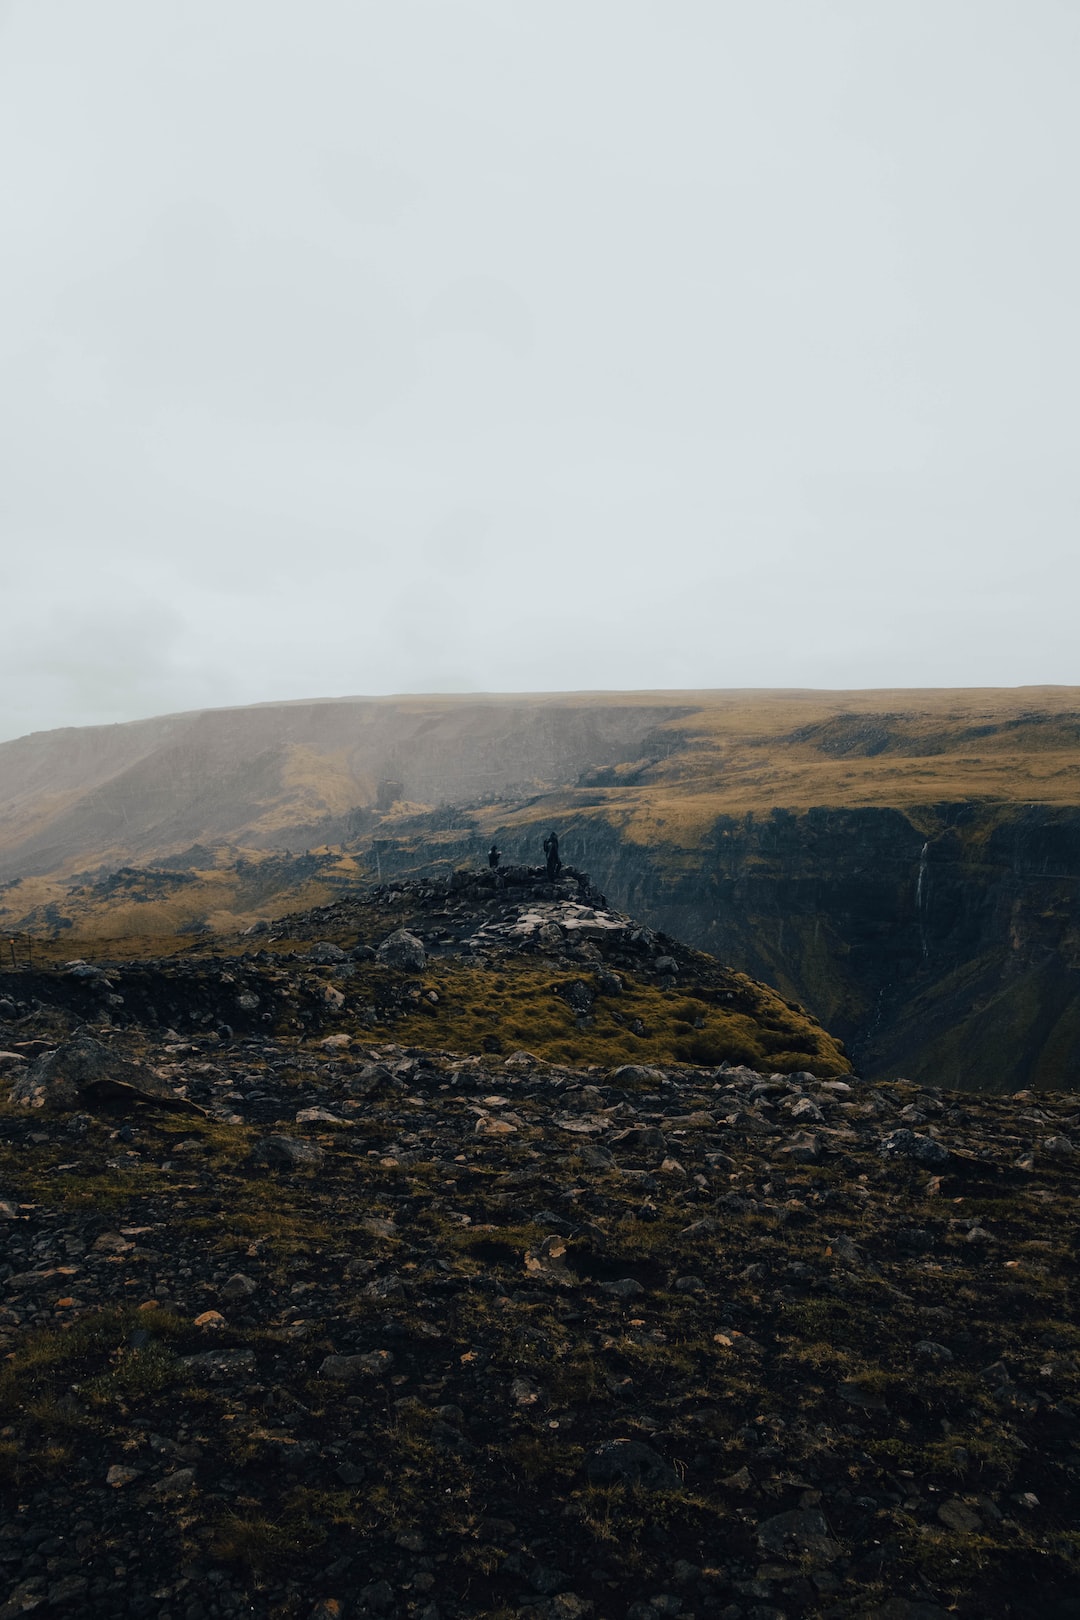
x=939 y=943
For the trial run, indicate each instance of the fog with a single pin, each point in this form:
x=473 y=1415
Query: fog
x=490 y=345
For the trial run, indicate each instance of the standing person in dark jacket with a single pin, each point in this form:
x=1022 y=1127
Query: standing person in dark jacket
x=551 y=855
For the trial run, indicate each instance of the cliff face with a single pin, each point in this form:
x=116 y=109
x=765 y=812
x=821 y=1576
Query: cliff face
x=942 y=943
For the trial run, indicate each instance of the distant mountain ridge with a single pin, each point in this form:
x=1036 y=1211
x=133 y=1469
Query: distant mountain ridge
x=262 y=776
x=267 y=775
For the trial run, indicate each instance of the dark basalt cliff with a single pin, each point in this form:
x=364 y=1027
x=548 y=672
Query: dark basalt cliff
x=939 y=943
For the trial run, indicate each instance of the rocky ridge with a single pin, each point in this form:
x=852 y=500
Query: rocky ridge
x=379 y=1327
x=564 y=973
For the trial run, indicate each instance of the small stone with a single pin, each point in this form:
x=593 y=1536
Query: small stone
x=216 y=1364
x=386 y=1288
x=285 y=1153
x=957 y=1515
x=805 y=1149
x=623 y=1288
x=71 y=1589
x=111 y=1243
x=493 y=1125
x=1058 y=1147
x=630 y=1462
x=118 y=1476
x=640 y=1138
x=178 y=1483
x=856 y=1395
x=927 y=1350
x=803 y=1533
x=568 y=1606
x=377 y=1598
x=238 y=1286
x=347 y=1369
x=907 y=1144
x=546 y=1261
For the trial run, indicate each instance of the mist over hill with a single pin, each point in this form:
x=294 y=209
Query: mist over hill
x=903 y=862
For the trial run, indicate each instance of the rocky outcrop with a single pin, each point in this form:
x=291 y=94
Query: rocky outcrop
x=629 y=990
x=940 y=943
x=82 y=1073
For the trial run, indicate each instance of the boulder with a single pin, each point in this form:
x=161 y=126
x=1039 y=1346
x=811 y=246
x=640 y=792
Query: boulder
x=83 y=1072
x=630 y=1462
x=285 y=1153
x=800 y=1534
x=622 y=1288
x=636 y=1074
x=373 y=1077
x=238 y=1287
x=578 y=994
x=907 y=1144
x=641 y=1139
x=345 y=1369
x=403 y=950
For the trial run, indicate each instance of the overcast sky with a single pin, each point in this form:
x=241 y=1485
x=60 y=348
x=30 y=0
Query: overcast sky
x=352 y=347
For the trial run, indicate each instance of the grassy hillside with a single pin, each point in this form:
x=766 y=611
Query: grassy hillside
x=218 y=891
x=753 y=751
x=662 y=765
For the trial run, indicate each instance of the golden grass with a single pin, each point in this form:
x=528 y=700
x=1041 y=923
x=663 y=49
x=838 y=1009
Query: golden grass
x=521 y=1006
x=226 y=898
x=753 y=751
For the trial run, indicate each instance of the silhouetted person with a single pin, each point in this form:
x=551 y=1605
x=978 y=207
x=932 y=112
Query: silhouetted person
x=494 y=857
x=551 y=855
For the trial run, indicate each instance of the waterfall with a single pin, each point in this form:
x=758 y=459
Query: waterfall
x=920 y=898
